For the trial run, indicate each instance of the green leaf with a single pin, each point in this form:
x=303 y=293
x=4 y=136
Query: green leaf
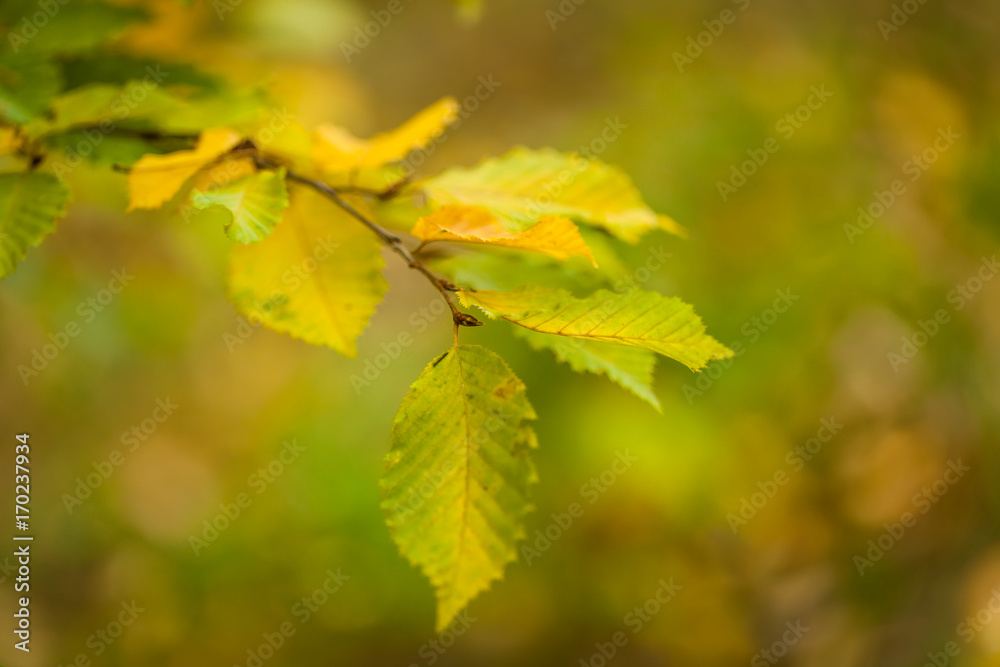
x=73 y=26
x=256 y=204
x=651 y=321
x=112 y=149
x=104 y=108
x=27 y=86
x=316 y=277
x=230 y=107
x=524 y=185
x=119 y=68
x=456 y=482
x=30 y=204
x=628 y=367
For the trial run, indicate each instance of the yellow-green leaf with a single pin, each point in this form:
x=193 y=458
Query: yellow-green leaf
x=316 y=277
x=28 y=82
x=629 y=367
x=337 y=150
x=255 y=204
x=651 y=321
x=524 y=185
x=30 y=204
x=154 y=179
x=68 y=27
x=456 y=481
x=553 y=236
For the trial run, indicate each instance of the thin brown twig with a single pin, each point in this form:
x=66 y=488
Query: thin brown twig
x=390 y=240
x=248 y=148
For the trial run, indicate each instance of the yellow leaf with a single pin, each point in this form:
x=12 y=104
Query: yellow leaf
x=316 y=277
x=524 y=185
x=337 y=150
x=154 y=179
x=552 y=235
x=647 y=320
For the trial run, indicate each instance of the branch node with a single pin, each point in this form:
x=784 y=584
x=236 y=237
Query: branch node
x=466 y=320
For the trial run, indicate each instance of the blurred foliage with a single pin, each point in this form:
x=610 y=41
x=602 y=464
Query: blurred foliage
x=720 y=439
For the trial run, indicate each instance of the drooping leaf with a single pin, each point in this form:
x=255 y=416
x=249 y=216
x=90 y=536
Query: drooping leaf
x=30 y=204
x=629 y=367
x=647 y=320
x=316 y=277
x=462 y=432
x=337 y=150
x=154 y=179
x=27 y=85
x=553 y=236
x=255 y=202
x=524 y=185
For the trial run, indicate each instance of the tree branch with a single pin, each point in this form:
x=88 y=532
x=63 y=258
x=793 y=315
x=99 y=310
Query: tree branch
x=390 y=240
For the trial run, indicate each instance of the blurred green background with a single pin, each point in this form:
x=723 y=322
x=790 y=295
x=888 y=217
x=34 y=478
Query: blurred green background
x=721 y=439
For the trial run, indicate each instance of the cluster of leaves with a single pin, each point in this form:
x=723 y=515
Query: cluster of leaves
x=325 y=201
